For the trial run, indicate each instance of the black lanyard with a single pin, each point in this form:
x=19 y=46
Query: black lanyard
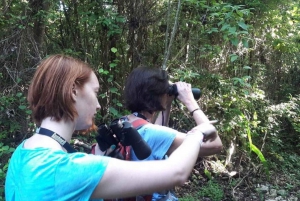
x=56 y=137
x=140 y=116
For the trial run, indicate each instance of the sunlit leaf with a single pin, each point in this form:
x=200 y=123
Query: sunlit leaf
x=112 y=65
x=208 y=174
x=247 y=67
x=114 y=50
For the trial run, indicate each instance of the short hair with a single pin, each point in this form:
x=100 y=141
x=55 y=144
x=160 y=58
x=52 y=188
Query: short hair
x=50 y=91
x=144 y=89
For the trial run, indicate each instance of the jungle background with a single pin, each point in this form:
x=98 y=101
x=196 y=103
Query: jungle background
x=242 y=54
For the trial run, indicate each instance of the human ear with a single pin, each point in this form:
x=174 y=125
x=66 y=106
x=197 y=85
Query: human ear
x=74 y=91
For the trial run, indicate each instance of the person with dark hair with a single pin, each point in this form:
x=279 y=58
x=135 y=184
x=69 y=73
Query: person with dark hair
x=147 y=94
x=63 y=99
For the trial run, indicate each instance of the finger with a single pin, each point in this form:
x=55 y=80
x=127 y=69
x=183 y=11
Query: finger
x=110 y=149
x=213 y=121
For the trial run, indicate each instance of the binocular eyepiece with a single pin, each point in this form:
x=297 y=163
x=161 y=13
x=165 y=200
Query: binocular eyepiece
x=122 y=132
x=174 y=92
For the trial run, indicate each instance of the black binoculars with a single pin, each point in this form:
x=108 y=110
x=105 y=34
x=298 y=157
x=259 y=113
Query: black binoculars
x=174 y=92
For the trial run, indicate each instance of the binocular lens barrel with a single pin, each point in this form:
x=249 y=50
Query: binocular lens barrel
x=196 y=93
x=174 y=92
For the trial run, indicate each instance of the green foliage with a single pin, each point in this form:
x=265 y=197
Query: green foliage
x=12 y=109
x=284 y=123
x=212 y=190
x=208 y=174
x=5 y=153
x=14 y=115
x=255 y=149
x=189 y=198
x=242 y=54
x=230 y=22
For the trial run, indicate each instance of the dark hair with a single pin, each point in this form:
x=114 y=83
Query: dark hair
x=144 y=89
x=50 y=91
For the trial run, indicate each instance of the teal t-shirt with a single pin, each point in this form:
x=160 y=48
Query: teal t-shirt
x=46 y=174
x=160 y=139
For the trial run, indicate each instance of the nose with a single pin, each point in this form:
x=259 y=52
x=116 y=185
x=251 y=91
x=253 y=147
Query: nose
x=98 y=107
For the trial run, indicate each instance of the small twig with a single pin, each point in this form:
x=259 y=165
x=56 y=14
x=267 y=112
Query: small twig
x=233 y=190
x=264 y=141
x=164 y=66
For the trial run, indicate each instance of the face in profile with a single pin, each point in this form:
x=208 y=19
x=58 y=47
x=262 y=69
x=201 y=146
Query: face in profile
x=86 y=103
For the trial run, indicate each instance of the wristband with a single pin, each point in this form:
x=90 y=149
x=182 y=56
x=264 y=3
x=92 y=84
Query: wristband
x=192 y=112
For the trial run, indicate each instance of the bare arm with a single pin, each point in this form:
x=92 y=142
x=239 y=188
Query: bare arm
x=125 y=179
x=209 y=147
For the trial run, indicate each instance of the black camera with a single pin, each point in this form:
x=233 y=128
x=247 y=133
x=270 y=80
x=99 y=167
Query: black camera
x=174 y=92
x=122 y=132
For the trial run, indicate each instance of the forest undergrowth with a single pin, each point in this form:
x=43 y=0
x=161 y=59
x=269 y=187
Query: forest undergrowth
x=242 y=180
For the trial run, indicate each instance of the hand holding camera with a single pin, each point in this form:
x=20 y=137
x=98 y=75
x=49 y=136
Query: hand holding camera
x=121 y=133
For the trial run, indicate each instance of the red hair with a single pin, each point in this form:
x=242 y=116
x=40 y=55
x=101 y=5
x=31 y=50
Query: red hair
x=50 y=91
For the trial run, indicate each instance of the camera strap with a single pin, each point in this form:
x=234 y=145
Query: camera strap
x=57 y=138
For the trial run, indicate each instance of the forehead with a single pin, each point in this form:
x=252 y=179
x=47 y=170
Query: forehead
x=93 y=81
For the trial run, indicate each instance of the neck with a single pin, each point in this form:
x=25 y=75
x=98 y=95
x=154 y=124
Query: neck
x=149 y=116
x=63 y=128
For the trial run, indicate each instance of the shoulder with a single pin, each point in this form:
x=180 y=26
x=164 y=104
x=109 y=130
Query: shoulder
x=82 y=159
x=156 y=134
x=157 y=128
x=56 y=159
x=159 y=138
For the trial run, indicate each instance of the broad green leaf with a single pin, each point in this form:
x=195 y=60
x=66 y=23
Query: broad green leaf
x=103 y=95
x=245 y=43
x=22 y=107
x=113 y=111
x=225 y=26
x=237 y=80
x=102 y=71
x=247 y=77
x=233 y=57
x=5 y=148
x=232 y=30
x=114 y=50
x=11 y=149
x=235 y=41
x=113 y=90
x=239 y=13
x=243 y=25
x=112 y=65
x=19 y=95
x=247 y=67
